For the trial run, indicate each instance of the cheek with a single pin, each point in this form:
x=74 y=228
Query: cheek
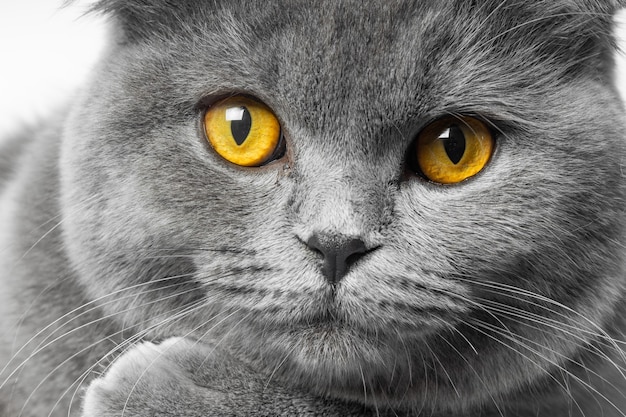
x=476 y=226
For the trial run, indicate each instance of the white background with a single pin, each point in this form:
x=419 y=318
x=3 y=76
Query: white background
x=45 y=52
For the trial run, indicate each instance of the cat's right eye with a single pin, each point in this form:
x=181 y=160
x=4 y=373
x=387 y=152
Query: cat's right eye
x=244 y=131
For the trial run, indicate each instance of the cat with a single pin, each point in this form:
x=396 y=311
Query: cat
x=331 y=208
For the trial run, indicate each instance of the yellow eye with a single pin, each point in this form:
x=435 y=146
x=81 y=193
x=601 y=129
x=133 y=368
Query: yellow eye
x=243 y=131
x=452 y=149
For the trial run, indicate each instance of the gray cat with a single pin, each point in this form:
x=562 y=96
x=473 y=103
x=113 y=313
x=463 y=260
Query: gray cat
x=346 y=208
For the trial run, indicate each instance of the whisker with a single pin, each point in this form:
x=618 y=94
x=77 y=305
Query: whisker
x=373 y=399
x=443 y=368
x=40 y=348
x=215 y=345
x=147 y=253
x=166 y=349
x=425 y=379
x=364 y=385
x=124 y=346
x=62 y=364
x=522 y=292
x=562 y=356
x=55 y=226
x=550 y=361
x=132 y=295
x=495 y=403
x=525 y=316
x=553 y=324
x=95 y=303
x=277 y=367
x=408 y=362
x=28 y=309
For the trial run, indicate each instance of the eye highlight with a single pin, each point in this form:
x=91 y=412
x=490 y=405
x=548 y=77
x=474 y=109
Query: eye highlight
x=453 y=149
x=243 y=131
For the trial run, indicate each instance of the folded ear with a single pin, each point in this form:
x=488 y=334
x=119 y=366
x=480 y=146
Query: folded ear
x=601 y=6
x=619 y=4
x=140 y=19
x=588 y=38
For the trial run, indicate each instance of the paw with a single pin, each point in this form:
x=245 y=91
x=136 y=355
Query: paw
x=182 y=378
x=151 y=380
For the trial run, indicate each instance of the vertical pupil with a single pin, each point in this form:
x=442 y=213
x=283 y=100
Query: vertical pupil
x=454 y=143
x=240 y=125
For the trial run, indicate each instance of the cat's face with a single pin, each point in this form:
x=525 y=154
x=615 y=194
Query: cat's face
x=465 y=290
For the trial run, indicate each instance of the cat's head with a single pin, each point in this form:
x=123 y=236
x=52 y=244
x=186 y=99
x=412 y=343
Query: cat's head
x=355 y=254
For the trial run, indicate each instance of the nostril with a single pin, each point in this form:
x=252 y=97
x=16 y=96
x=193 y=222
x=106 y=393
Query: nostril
x=314 y=244
x=350 y=252
x=351 y=259
x=339 y=253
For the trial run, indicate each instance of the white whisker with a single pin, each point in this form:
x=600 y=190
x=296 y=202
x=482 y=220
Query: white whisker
x=550 y=361
x=60 y=365
x=41 y=347
x=443 y=368
x=277 y=367
x=124 y=346
x=499 y=287
x=493 y=400
x=143 y=373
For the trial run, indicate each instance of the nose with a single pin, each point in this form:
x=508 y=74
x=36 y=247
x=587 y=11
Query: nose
x=339 y=253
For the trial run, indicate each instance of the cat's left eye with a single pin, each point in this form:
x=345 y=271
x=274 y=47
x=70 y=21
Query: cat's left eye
x=453 y=149
x=244 y=131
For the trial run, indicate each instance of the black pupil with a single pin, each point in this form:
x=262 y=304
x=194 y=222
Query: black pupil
x=454 y=143
x=240 y=128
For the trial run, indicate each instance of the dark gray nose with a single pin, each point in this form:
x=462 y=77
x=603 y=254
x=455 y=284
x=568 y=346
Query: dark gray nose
x=339 y=253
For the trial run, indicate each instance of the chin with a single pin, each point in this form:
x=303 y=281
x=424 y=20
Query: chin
x=328 y=359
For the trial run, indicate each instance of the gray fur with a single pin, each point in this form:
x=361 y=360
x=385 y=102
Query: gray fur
x=502 y=295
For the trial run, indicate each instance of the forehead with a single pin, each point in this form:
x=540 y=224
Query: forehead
x=342 y=58
x=344 y=52
x=359 y=62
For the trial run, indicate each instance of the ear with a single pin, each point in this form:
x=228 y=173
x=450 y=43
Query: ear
x=591 y=32
x=619 y=4
x=601 y=6
x=140 y=19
